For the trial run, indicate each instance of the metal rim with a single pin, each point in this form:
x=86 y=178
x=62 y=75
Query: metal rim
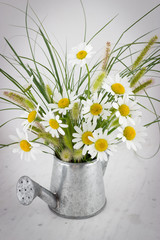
x=71 y=163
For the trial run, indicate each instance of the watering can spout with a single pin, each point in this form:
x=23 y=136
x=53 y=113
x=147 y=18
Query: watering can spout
x=27 y=190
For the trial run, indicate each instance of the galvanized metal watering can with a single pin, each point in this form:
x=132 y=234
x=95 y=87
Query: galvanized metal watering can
x=76 y=190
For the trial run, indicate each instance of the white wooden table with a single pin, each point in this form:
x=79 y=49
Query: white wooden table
x=132 y=211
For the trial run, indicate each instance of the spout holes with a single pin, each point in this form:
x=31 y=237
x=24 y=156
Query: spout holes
x=19 y=190
x=21 y=181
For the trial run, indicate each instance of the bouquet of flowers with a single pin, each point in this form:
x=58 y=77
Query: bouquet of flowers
x=85 y=109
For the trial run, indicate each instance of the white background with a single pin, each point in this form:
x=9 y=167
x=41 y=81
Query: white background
x=132 y=183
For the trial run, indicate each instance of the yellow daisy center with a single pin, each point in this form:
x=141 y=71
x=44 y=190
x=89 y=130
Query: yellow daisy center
x=96 y=108
x=85 y=136
x=124 y=110
x=32 y=116
x=81 y=54
x=64 y=102
x=129 y=133
x=101 y=145
x=25 y=146
x=118 y=88
x=53 y=123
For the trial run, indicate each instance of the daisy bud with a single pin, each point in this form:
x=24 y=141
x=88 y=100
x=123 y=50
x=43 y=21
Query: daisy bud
x=75 y=111
x=144 y=52
x=142 y=86
x=136 y=78
x=98 y=81
x=66 y=155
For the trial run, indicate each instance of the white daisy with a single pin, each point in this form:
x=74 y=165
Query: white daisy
x=80 y=54
x=63 y=103
x=102 y=144
x=30 y=118
x=133 y=135
x=26 y=149
x=95 y=107
x=127 y=110
x=117 y=86
x=53 y=124
x=81 y=136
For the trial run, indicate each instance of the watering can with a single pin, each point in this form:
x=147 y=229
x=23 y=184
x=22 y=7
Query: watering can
x=76 y=190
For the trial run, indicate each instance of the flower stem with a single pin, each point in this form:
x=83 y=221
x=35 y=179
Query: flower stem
x=89 y=80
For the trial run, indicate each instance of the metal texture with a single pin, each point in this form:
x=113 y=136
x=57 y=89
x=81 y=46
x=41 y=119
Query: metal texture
x=76 y=191
x=79 y=187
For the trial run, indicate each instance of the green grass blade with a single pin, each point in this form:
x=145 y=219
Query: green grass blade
x=10 y=121
x=20 y=61
x=28 y=94
x=135 y=24
x=85 y=21
x=53 y=61
x=40 y=64
x=16 y=83
x=29 y=42
x=101 y=29
x=8 y=109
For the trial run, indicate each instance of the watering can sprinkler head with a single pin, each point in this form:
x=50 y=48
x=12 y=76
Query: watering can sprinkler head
x=27 y=190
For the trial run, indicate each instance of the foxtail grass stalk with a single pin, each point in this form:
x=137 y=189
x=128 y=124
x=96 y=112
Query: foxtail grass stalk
x=66 y=155
x=98 y=81
x=22 y=101
x=142 y=86
x=105 y=60
x=144 y=52
x=77 y=154
x=136 y=78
